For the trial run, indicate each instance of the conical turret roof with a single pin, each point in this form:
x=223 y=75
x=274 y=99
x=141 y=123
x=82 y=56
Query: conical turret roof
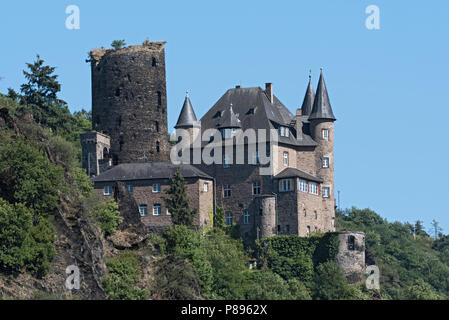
x=307 y=104
x=187 y=117
x=321 y=106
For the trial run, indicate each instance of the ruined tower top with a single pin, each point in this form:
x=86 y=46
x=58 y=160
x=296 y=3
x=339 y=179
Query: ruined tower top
x=129 y=101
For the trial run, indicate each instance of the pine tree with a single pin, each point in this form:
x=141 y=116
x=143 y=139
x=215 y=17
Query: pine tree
x=117 y=44
x=177 y=203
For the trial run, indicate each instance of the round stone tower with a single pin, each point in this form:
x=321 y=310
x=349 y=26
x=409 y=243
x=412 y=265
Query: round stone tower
x=129 y=101
x=267 y=216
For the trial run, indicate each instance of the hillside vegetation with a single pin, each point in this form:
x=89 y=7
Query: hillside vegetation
x=50 y=218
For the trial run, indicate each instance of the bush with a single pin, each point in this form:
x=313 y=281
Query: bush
x=121 y=282
x=23 y=245
x=108 y=216
x=330 y=284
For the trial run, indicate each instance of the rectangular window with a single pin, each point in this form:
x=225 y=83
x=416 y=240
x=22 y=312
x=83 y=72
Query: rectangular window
x=156 y=188
x=205 y=187
x=157 y=210
x=168 y=213
x=107 y=190
x=303 y=186
x=256 y=187
x=285 y=158
x=225 y=161
x=246 y=217
x=313 y=188
x=228 y=219
x=326 y=192
x=325 y=162
x=284 y=131
x=227 y=191
x=325 y=134
x=308 y=230
x=285 y=185
x=143 y=210
x=130 y=188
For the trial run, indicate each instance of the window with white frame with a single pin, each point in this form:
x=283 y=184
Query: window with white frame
x=284 y=131
x=143 y=210
x=156 y=187
x=303 y=185
x=227 y=190
x=313 y=188
x=168 y=213
x=256 y=187
x=225 y=161
x=205 y=186
x=285 y=185
x=107 y=190
x=325 y=162
x=130 y=188
x=325 y=134
x=156 y=209
x=285 y=158
x=246 y=217
x=228 y=219
x=326 y=192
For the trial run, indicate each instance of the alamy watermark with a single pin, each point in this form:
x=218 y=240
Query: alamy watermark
x=372 y=22
x=72 y=22
x=73 y=280
x=373 y=277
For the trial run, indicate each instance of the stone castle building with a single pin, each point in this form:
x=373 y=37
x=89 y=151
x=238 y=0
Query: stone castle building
x=130 y=145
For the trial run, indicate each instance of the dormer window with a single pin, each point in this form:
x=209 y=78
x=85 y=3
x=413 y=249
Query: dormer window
x=217 y=115
x=284 y=131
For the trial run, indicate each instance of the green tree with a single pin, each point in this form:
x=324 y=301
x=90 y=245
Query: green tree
x=27 y=176
x=108 y=216
x=22 y=244
x=330 y=284
x=421 y=290
x=176 y=201
x=117 y=44
x=121 y=283
x=219 y=219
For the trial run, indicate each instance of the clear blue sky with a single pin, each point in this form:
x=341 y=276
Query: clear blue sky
x=388 y=87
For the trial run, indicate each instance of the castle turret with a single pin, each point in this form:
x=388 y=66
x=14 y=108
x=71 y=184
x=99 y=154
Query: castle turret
x=322 y=129
x=187 y=120
x=129 y=101
x=309 y=97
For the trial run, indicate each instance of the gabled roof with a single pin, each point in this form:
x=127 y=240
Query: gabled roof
x=254 y=110
x=293 y=172
x=149 y=170
x=187 y=117
x=321 y=106
x=307 y=103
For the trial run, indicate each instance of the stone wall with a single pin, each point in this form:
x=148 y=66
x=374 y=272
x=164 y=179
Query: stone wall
x=129 y=101
x=351 y=255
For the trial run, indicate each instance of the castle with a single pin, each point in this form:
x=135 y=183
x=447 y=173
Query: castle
x=130 y=145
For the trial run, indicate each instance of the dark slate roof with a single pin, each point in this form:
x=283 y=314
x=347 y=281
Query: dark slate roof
x=321 y=106
x=254 y=110
x=187 y=117
x=149 y=170
x=293 y=172
x=307 y=103
x=229 y=119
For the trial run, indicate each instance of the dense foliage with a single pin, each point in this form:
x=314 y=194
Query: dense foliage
x=108 y=216
x=412 y=266
x=121 y=282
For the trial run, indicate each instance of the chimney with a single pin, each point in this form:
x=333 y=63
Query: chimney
x=269 y=91
x=298 y=124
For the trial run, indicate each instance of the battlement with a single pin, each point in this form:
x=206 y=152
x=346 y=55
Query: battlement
x=97 y=54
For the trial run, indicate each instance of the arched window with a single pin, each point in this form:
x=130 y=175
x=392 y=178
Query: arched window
x=158 y=148
x=153 y=62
